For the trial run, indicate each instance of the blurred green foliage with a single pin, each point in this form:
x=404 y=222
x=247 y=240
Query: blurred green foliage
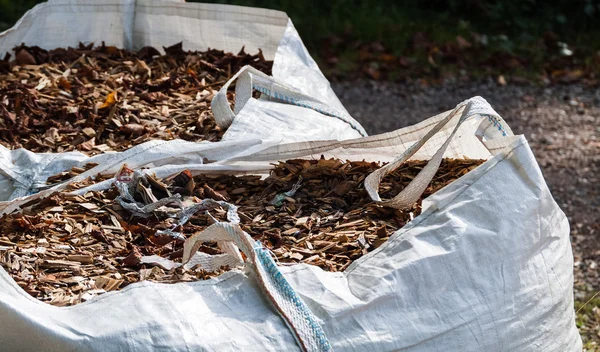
x=395 y=22
x=11 y=11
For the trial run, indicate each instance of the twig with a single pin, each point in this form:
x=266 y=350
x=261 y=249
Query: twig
x=586 y=303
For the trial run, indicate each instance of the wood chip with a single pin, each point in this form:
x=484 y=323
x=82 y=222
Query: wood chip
x=108 y=99
x=66 y=249
x=83 y=259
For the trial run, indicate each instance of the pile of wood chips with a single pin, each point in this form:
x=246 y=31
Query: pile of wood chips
x=108 y=99
x=66 y=249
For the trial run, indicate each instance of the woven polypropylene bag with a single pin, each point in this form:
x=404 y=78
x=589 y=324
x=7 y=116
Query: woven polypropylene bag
x=487 y=266
x=133 y=24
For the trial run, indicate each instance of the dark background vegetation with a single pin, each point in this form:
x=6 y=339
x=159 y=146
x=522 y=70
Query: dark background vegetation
x=382 y=39
x=395 y=22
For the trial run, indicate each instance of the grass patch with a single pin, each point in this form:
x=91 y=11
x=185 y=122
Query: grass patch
x=588 y=321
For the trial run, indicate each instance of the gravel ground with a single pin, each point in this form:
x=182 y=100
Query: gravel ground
x=562 y=125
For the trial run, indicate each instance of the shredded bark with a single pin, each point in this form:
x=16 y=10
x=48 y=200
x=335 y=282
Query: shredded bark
x=108 y=99
x=67 y=248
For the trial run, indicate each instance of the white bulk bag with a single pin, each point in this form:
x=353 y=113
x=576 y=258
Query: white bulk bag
x=487 y=266
x=297 y=103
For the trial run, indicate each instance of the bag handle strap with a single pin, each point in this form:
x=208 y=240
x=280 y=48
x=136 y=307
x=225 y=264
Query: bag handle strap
x=222 y=112
x=249 y=79
x=297 y=316
x=413 y=191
